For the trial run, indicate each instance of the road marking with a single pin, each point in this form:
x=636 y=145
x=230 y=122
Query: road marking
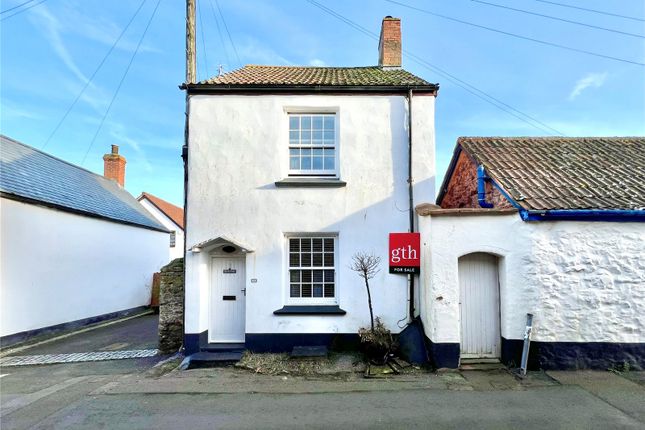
x=3 y=375
x=77 y=357
x=30 y=398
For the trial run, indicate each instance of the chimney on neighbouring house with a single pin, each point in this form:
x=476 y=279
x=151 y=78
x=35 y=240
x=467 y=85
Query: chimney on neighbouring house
x=114 y=166
x=389 y=45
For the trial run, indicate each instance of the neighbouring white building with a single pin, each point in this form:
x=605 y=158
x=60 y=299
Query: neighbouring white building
x=290 y=172
x=548 y=226
x=171 y=217
x=75 y=247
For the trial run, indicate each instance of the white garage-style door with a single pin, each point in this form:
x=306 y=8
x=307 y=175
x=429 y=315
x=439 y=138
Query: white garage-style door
x=479 y=306
x=228 y=300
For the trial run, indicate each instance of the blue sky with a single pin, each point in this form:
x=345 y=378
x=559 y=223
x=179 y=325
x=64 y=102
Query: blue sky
x=50 y=51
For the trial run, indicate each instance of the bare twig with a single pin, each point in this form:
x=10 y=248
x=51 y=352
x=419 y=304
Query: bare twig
x=366 y=265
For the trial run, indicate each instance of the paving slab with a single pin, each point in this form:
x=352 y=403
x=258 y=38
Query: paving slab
x=620 y=392
x=499 y=379
x=233 y=381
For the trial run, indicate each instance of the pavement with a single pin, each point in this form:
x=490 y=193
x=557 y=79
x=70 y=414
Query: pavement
x=152 y=393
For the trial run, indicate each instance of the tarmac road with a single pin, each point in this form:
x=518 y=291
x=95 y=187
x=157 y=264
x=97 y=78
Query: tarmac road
x=131 y=394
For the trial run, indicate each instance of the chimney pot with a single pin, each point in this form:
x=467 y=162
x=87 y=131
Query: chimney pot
x=389 y=46
x=114 y=166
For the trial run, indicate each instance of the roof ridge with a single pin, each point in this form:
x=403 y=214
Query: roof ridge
x=549 y=137
x=313 y=67
x=145 y=193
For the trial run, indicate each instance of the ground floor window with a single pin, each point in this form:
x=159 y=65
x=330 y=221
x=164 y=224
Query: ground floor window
x=312 y=273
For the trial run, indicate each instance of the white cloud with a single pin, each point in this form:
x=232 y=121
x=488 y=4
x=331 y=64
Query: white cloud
x=253 y=51
x=53 y=33
x=316 y=62
x=595 y=80
x=11 y=110
x=118 y=133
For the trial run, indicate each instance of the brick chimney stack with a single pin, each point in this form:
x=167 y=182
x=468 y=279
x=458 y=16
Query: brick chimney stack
x=114 y=166
x=389 y=45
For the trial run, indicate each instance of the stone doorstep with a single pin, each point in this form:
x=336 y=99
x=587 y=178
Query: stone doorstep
x=309 y=351
x=204 y=359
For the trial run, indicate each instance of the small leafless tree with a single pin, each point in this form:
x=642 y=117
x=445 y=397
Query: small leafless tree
x=366 y=265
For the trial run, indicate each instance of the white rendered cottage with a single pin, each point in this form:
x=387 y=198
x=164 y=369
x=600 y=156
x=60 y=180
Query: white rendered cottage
x=76 y=247
x=171 y=217
x=290 y=171
x=554 y=227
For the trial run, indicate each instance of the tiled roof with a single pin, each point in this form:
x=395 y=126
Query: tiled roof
x=542 y=173
x=34 y=175
x=175 y=213
x=252 y=75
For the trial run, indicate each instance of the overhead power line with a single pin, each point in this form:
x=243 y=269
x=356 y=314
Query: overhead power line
x=89 y=81
x=559 y=19
x=118 y=88
x=239 y=63
x=528 y=119
x=221 y=37
x=591 y=10
x=18 y=12
x=543 y=42
x=201 y=29
x=17 y=6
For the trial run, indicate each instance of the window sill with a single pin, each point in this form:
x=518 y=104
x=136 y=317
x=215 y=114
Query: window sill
x=310 y=310
x=310 y=182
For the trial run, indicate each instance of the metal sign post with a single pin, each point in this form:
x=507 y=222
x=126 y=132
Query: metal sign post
x=527 y=343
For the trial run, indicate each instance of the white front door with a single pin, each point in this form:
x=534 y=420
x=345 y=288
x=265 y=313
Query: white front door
x=479 y=306
x=228 y=299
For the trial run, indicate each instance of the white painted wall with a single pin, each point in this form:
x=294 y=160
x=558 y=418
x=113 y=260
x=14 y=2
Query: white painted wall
x=239 y=147
x=583 y=281
x=58 y=267
x=178 y=250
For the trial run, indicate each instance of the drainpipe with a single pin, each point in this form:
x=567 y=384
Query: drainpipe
x=482 y=177
x=411 y=198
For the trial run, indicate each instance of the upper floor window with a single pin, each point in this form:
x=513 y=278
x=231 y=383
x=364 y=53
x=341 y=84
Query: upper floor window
x=173 y=238
x=312 y=144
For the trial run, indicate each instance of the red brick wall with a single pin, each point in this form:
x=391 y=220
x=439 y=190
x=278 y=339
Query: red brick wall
x=462 y=188
x=114 y=168
x=390 y=43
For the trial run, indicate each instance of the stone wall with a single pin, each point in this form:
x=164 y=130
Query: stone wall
x=171 y=307
x=584 y=282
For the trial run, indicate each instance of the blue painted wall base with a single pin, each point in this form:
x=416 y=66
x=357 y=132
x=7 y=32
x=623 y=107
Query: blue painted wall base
x=284 y=342
x=412 y=343
x=443 y=355
x=575 y=355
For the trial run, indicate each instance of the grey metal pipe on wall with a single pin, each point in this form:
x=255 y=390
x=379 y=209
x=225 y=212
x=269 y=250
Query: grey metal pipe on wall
x=411 y=199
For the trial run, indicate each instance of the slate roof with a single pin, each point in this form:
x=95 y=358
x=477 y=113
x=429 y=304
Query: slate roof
x=252 y=75
x=30 y=175
x=175 y=213
x=543 y=173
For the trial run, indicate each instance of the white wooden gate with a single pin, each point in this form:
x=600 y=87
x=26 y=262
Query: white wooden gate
x=479 y=306
x=228 y=299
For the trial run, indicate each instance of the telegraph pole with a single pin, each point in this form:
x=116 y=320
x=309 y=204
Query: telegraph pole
x=191 y=68
x=191 y=75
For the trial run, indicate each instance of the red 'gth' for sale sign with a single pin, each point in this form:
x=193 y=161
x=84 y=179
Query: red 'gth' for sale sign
x=405 y=252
